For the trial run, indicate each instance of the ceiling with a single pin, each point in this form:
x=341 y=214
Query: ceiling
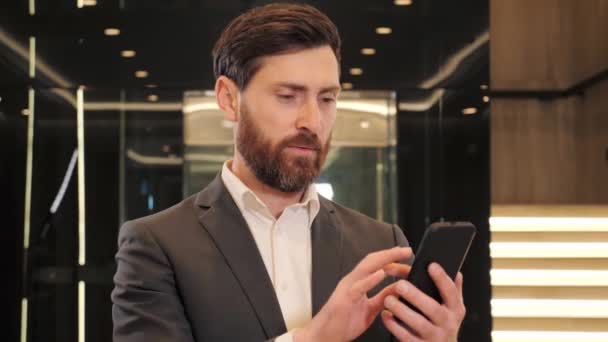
x=173 y=39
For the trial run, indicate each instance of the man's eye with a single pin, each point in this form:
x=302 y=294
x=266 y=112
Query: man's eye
x=286 y=97
x=328 y=99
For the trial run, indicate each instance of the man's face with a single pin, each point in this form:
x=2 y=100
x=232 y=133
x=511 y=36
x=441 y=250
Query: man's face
x=286 y=115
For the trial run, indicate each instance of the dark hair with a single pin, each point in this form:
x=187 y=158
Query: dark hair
x=270 y=30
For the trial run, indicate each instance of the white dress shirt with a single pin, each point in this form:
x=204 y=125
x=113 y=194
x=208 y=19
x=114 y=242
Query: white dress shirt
x=284 y=244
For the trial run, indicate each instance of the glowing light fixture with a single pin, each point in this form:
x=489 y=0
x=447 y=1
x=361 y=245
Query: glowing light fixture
x=127 y=53
x=548 y=336
x=554 y=308
x=32 y=65
x=368 y=51
x=141 y=74
x=548 y=224
x=356 y=71
x=111 y=31
x=384 y=30
x=549 y=249
x=81 y=177
x=23 y=320
x=548 y=277
x=469 y=111
x=81 y=311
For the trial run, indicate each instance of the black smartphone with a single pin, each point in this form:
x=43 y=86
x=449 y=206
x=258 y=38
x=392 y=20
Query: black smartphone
x=446 y=243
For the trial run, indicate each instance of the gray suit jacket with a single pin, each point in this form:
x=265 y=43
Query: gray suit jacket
x=193 y=272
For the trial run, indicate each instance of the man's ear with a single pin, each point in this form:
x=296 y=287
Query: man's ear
x=226 y=92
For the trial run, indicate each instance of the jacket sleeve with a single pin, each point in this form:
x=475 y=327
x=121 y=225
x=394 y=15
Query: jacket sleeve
x=146 y=304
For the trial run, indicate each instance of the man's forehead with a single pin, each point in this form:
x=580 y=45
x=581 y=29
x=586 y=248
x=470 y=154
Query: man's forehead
x=307 y=68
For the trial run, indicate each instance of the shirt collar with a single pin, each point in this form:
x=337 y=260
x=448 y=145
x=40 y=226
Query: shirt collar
x=246 y=199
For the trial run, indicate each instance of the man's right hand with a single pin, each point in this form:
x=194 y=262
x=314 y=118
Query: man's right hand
x=349 y=311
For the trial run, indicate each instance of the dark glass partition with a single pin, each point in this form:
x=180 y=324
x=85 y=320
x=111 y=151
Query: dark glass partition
x=106 y=116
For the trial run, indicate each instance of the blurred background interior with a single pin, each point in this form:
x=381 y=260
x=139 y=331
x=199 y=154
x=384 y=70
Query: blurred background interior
x=490 y=111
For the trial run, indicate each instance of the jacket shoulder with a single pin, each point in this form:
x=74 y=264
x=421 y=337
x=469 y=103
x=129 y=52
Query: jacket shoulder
x=363 y=229
x=162 y=222
x=350 y=216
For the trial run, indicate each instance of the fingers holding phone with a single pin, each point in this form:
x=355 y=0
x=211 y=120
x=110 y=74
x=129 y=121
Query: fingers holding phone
x=450 y=290
x=425 y=319
x=397 y=270
x=349 y=311
x=428 y=306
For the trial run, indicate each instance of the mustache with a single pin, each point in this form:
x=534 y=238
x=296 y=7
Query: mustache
x=303 y=139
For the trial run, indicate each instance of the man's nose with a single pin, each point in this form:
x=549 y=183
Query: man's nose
x=310 y=116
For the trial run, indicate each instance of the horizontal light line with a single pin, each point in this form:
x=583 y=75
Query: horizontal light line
x=548 y=277
x=548 y=336
x=153 y=160
x=549 y=249
x=567 y=308
x=549 y=224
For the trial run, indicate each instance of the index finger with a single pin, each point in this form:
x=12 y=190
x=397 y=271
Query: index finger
x=398 y=270
x=377 y=260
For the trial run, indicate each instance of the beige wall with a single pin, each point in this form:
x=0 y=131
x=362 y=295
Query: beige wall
x=549 y=151
x=547 y=44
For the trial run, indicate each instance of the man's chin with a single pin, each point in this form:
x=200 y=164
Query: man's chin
x=301 y=167
x=301 y=178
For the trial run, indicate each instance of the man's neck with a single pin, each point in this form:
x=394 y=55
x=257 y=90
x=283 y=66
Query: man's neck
x=275 y=200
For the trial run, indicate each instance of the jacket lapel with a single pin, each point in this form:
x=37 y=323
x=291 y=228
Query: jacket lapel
x=222 y=219
x=327 y=245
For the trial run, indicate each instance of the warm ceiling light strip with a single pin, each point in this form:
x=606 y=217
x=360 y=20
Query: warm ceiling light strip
x=547 y=277
x=23 y=320
x=548 y=336
x=549 y=224
x=32 y=64
x=81 y=177
x=549 y=249
x=549 y=308
x=81 y=311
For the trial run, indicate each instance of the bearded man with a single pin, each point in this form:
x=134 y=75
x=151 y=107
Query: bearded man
x=258 y=254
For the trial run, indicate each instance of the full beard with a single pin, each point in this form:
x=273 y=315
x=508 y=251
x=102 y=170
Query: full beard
x=273 y=165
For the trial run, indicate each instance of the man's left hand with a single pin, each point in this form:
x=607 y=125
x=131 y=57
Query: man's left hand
x=443 y=320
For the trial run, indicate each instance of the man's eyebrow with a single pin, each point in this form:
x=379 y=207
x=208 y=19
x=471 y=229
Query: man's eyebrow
x=300 y=87
x=292 y=86
x=332 y=89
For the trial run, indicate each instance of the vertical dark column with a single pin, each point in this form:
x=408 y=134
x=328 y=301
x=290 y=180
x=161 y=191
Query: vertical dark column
x=102 y=224
x=443 y=173
x=13 y=132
